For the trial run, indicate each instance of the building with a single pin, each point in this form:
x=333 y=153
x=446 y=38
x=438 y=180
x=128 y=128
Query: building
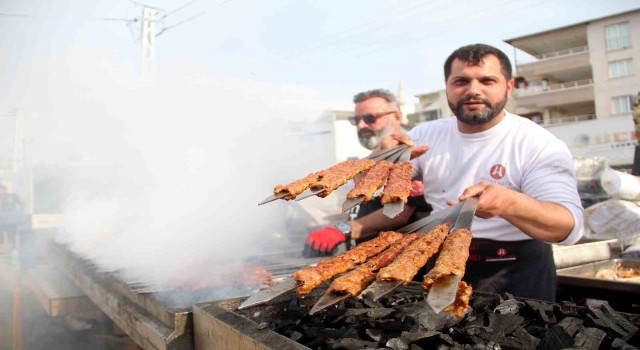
x=589 y=70
x=430 y=106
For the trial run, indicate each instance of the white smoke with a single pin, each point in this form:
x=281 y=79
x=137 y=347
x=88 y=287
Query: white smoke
x=166 y=180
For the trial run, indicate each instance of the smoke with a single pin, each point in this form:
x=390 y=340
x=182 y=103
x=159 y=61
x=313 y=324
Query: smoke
x=165 y=181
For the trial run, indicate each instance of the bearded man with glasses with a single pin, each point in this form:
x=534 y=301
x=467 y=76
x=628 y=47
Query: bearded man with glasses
x=376 y=116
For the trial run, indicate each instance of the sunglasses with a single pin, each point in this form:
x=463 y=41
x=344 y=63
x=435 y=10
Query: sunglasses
x=368 y=118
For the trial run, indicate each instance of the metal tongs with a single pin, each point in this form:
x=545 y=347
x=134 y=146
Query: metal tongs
x=400 y=153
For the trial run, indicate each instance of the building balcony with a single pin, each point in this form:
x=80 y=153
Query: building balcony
x=569 y=119
x=555 y=94
x=567 y=64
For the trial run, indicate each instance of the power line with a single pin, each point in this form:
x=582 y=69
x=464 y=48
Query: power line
x=135 y=19
x=178 y=9
x=359 y=29
x=179 y=23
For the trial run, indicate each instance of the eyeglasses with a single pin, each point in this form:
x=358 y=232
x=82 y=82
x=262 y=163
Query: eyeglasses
x=368 y=118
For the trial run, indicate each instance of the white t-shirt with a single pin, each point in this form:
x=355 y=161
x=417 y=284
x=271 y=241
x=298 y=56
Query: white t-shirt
x=517 y=153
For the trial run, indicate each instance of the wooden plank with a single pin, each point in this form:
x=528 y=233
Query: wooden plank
x=57 y=294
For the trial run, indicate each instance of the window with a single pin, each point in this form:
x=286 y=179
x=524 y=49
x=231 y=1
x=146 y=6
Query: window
x=620 y=68
x=622 y=104
x=618 y=36
x=426 y=116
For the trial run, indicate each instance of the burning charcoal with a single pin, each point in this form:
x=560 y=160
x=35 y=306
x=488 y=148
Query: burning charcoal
x=334 y=315
x=571 y=325
x=545 y=310
x=505 y=324
x=623 y=322
x=263 y=325
x=370 y=303
x=590 y=338
x=482 y=302
x=556 y=338
x=511 y=306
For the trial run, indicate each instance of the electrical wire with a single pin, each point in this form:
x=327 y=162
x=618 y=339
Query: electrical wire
x=135 y=19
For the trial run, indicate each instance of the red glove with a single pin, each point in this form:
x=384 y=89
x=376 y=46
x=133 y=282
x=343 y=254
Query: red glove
x=323 y=242
x=417 y=188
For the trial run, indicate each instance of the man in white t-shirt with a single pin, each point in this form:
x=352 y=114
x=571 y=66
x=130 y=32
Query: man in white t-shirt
x=523 y=176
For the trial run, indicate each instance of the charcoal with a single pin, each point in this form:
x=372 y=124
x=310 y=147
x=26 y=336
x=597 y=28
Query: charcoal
x=511 y=306
x=434 y=322
x=611 y=322
x=354 y=344
x=296 y=336
x=394 y=325
x=619 y=343
x=505 y=324
x=374 y=334
x=397 y=344
x=556 y=338
x=571 y=309
x=571 y=325
x=590 y=338
x=527 y=340
x=411 y=337
x=544 y=310
x=336 y=333
x=621 y=321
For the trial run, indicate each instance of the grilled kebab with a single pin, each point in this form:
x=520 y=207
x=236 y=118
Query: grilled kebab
x=371 y=182
x=452 y=259
x=398 y=187
x=407 y=264
x=312 y=277
x=360 y=278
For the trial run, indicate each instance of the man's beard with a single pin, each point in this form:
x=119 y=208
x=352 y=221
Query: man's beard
x=371 y=139
x=478 y=117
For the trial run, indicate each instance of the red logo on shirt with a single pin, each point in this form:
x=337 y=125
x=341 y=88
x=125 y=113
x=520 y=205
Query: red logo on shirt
x=501 y=252
x=497 y=171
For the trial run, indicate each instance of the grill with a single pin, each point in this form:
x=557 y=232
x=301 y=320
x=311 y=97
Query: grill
x=160 y=319
x=403 y=321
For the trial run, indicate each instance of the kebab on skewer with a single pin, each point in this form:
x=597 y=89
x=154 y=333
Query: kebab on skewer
x=452 y=261
x=461 y=304
x=312 y=277
x=398 y=187
x=358 y=279
x=407 y=264
x=340 y=174
x=372 y=181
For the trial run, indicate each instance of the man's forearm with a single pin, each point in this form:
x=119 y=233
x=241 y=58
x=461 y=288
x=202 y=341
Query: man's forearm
x=375 y=222
x=545 y=221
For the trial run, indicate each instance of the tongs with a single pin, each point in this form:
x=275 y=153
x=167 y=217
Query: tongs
x=400 y=153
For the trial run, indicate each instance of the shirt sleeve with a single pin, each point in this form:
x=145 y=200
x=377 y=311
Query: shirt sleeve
x=551 y=178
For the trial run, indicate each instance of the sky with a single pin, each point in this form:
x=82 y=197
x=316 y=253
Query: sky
x=179 y=165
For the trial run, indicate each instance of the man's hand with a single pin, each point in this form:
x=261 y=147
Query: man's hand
x=493 y=199
x=417 y=188
x=395 y=139
x=323 y=242
x=546 y=221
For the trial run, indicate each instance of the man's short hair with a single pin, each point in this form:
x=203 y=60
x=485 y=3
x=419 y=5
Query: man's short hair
x=474 y=54
x=382 y=93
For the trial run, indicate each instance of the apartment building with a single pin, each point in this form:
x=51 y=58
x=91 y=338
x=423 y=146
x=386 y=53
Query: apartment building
x=585 y=71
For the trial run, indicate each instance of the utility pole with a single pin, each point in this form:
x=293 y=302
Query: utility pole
x=635 y=170
x=148 y=41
